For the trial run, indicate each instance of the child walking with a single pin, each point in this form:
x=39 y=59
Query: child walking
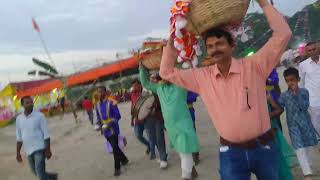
x=302 y=133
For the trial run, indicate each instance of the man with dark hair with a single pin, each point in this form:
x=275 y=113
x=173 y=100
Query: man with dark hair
x=108 y=116
x=235 y=96
x=23 y=98
x=102 y=88
x=310 y=43
x=136 y=81
x=219 y=33
x=32 y=133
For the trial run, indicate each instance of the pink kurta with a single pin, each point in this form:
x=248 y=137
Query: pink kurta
x=237 y=104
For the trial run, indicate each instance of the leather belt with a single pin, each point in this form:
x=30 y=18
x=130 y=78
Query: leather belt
x=253 y=143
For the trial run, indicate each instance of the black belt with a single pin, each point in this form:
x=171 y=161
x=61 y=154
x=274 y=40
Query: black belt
x=253 y=143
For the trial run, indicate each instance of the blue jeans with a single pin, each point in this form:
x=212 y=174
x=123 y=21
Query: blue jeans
x=161 y=141
x=138 y=130
x=152 y=137
x=155 y=131
x=37 y=164
x=238 y=163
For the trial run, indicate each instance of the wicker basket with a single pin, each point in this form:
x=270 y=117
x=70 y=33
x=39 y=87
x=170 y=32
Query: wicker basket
x=151 y=60
x=205 y=14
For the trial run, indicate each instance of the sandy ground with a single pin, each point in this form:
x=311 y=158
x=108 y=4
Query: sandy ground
x=78 y=152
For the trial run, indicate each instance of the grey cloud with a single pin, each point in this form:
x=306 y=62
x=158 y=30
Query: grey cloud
x=88 y=25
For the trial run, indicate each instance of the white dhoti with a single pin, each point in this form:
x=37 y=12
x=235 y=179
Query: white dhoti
x=186 y=165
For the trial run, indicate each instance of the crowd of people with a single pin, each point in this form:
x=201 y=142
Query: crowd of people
x=243 y=99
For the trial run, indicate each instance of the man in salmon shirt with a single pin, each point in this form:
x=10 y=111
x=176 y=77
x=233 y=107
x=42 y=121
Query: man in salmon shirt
x=234 y=94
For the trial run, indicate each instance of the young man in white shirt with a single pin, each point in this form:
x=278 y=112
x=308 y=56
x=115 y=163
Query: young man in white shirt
x=309 y=71
x=32 y=133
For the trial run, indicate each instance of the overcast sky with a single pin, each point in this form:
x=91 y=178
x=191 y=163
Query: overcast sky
x=83 y=33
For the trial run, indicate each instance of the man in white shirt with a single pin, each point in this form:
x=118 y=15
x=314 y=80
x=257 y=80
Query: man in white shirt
x=309 y=71
x=32 y=133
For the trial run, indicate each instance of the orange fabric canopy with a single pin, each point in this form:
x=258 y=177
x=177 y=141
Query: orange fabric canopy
x=82 y=77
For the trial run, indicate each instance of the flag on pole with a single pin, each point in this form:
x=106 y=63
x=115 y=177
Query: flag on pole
x=35 y=25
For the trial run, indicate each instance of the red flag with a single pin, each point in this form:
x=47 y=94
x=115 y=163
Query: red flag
x=35 y=25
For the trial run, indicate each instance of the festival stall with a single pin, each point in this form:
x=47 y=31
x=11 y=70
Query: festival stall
x=48 y=103
x=8 y=105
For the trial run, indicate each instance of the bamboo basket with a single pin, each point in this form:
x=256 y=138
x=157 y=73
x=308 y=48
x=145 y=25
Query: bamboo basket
x=205 y=14
x=151 y=59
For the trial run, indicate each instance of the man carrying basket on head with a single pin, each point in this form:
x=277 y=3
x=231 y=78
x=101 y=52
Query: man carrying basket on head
x=108 y=116
x=177 y=121
x=234 y=93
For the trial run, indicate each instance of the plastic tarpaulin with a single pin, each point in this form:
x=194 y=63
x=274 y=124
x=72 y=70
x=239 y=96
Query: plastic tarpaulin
x=83 y=77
